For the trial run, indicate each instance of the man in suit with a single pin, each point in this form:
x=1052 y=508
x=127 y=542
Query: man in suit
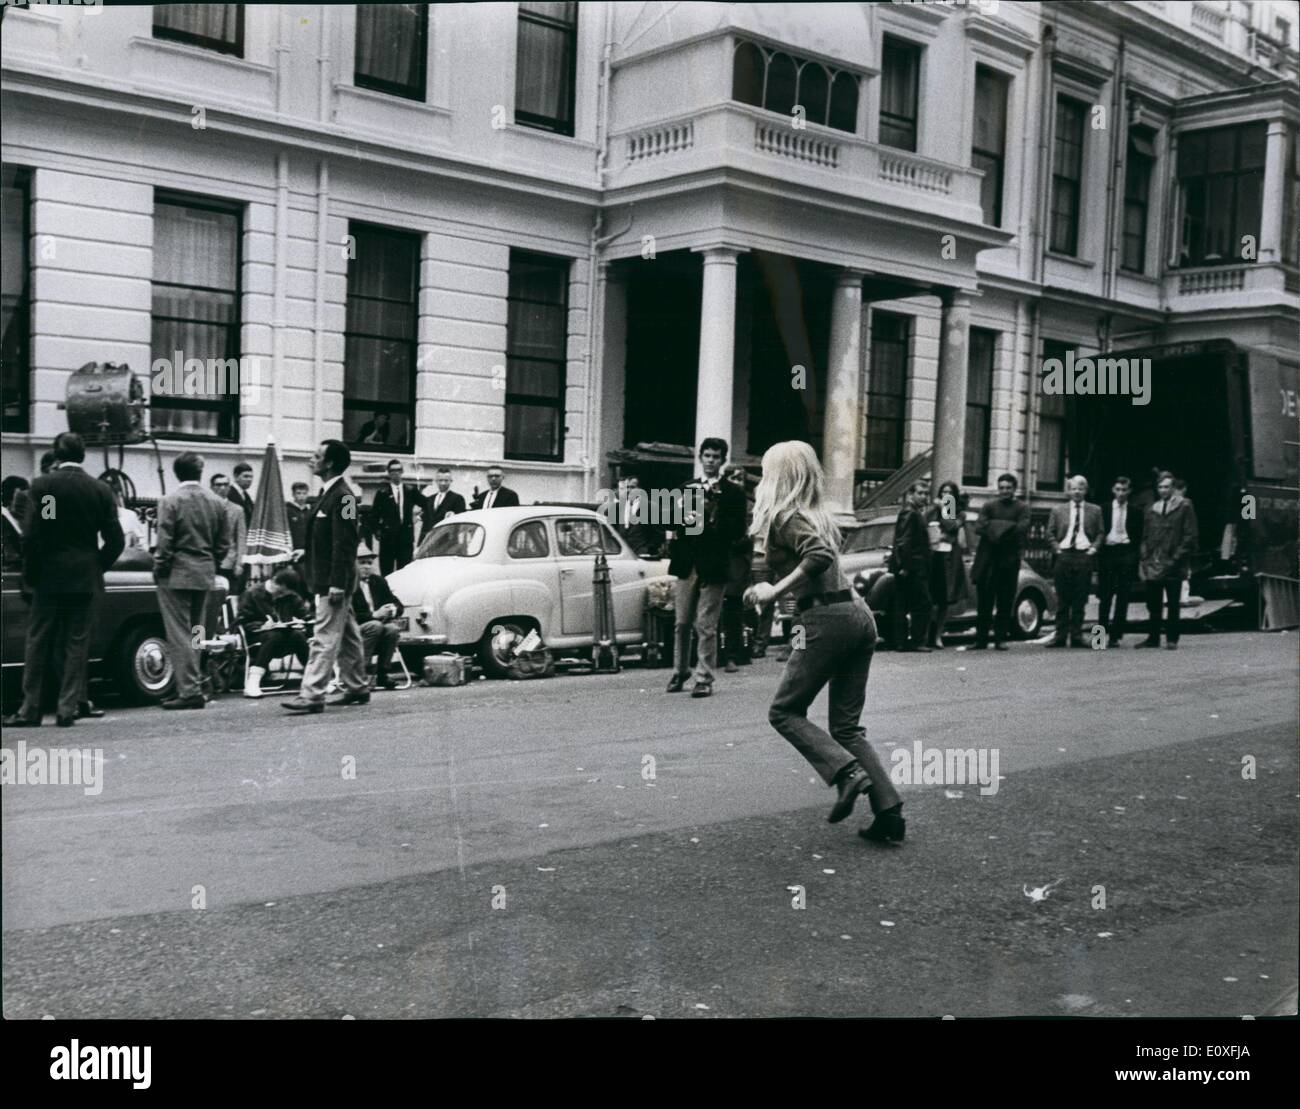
x=331 y=572
x=376 y=610
x=713 y=518
x=239 y=492
x=1075 y=531
x=496 y=495
x=911 y=560
x=1121 y=523
x=193 y=539
x=231 y=566
x=393 y=508
x=69 y=513
x=1002 y=527
x=299 y=511
x=277 y=601
x=440 y=502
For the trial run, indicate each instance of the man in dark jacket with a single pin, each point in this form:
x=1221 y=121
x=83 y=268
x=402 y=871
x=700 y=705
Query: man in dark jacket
x=68 y=514
x=331 y=571
x=1002 y=527
x=713 y=525
x=394 y=506
x=911 y=561
x=239 y=491
x=1169 y=538
x=277 y=603
x=440 y=501
x=1117 y=566
x=497 y=494
x=376 y=609
x=299 y=512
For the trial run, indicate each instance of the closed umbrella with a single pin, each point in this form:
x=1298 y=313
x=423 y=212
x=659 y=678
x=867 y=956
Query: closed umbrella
x=270 y=543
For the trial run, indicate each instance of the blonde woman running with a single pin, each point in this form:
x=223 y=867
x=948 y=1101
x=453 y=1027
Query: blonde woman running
x=801 y=542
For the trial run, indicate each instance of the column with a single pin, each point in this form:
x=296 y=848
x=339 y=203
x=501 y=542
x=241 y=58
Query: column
x=841 y=416
x=1275 y=182
x=717 y=344
x=950 y=395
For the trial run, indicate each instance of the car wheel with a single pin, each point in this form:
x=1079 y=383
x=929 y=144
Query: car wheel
x=1028 y=614
x=144 y=670
x=496 y=647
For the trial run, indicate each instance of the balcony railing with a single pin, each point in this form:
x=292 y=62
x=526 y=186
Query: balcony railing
x=1209 y=21
x=1226 y=279
x=743 y=137
x=1213 y=287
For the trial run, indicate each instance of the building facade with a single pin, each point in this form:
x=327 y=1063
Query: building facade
x=551 y=235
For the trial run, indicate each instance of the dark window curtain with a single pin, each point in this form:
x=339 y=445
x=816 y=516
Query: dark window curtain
x=219 y=25
x=782 y=79
x=814 y=91
x=15 y=298
x=900 y=68
x=988 y=148
x=886 y=394
x=536 y=356
x=1067 y=169
x=1137 y=189
x=544 y=66
x=1221 y=176
x=1052 y=415
x=380 y=339
x=844 y=103
x=195 y=313
x=391 y=47
x=979 y=406
x=747 y=75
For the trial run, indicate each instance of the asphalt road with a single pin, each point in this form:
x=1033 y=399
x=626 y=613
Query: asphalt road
x=589 y=845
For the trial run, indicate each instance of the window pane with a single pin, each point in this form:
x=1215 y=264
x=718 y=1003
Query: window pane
x=391 y=47
x=216 y=25
x=781 y=79
x=544 y=64
x=747 y=75
x=536 y=341
x=814 y=91
x=195 y=246
x=15 y=311
x=899 y=76
x=990 y=111
x=886 y=392
x=529 y=541
x=533 y=431
x=844 y=103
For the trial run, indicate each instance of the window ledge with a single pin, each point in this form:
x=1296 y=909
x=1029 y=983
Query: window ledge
x=188 y=50
x=1082 y=263
x=389 y=99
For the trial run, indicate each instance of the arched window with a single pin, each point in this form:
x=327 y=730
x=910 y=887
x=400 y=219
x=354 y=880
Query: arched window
x=747 y=74
x=814 y=91
x=844 y=103
x=782 y=80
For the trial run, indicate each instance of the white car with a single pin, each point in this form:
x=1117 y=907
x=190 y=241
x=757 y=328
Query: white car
x=483 y=579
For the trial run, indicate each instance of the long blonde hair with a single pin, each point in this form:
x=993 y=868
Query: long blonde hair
x=792 y=483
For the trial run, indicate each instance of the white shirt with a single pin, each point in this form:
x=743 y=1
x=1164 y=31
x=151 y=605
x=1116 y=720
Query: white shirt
x=1075 y=528
x=365 y=592
x=1118 y=524
x=397 y=497
x=491 y=496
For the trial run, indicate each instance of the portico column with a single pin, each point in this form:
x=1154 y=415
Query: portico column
x=950 y=399
x=841 y=417
x=1274 y=189
x=713 y=389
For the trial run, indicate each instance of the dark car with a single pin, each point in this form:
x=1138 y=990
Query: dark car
x=127 y=644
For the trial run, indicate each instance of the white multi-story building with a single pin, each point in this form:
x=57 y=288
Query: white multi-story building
x=545 y=233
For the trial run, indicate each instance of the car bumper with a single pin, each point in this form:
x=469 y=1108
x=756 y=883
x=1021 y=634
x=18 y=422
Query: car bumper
x=422 y=639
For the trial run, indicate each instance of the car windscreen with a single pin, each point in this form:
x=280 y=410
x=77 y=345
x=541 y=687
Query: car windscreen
x=869 y=537
x=453 y=540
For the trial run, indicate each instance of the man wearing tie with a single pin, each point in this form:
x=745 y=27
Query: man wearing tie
x=376 y=609
x=239 y=493
x=443 y=503
x=1122 y=523
x=68 y=514
x=393 y=507
x=496 y=495
x=1076 y=533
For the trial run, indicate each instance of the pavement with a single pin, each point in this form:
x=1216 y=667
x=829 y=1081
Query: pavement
x=588 y=845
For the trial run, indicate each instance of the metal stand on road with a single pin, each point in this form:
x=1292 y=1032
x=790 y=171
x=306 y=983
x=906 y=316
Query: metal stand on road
x=604 y=649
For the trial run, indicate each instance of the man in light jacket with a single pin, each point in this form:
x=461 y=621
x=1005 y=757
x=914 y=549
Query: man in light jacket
x=1076 y=531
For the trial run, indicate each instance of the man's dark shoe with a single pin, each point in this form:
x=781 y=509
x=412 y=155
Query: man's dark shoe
x=760 y=652
x=86 y=710
x=731 y=667
x=300 y=707
x=1078 y=641
x=17 y=721
x=385 y=682
x=702 y=689
x=888 y=827
x=1114 y=641
x=1000 y=647
x=849 y=786
x=675 y=683
x=1148 y=642
x=347 y=697
x=65 y=721
x=979 y=646
x=196 y=702
x=1172 y=645
x=1056 y=643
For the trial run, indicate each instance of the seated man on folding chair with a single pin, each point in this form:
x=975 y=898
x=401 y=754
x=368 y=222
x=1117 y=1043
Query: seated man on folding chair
x=376 y=609
x=275 y=618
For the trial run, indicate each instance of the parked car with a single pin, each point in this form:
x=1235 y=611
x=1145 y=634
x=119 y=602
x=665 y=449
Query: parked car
x=483 y=579
x=864 y=560
x=127 y=644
